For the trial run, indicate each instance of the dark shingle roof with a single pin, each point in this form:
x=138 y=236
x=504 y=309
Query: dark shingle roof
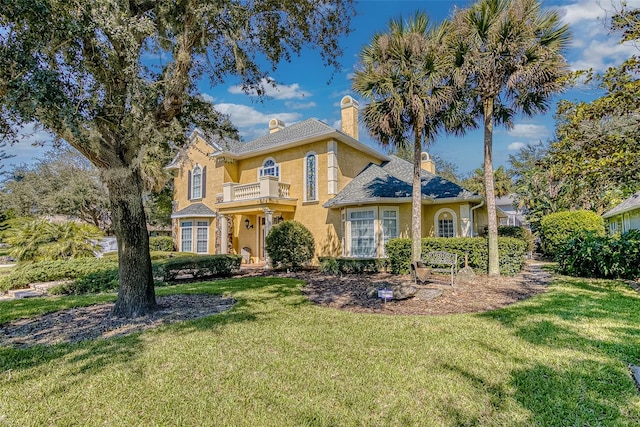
x=194 y=210
x=393 y=179
x=629 y=204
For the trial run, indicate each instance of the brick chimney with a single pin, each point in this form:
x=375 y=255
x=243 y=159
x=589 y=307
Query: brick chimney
x=349 y=110
x=275 y=125
x=426 y=163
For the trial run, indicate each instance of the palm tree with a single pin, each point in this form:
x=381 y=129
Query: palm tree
x=509 y=55
x=401 y=76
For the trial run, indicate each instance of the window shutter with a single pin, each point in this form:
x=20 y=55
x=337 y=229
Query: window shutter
x=204 y=181
x=189 y=186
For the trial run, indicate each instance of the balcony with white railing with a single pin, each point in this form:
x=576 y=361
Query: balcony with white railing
x=267 y=187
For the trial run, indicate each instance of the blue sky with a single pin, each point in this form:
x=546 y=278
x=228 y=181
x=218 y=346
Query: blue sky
x=307 y=89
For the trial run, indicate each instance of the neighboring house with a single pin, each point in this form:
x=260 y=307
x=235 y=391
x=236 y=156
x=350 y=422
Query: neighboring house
x=512 y=214
x=625 y=216
x=228 y=194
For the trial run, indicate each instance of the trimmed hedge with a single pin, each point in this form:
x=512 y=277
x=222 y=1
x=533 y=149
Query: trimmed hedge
x=521 y=233
x=558 y=228
x=605 y=257
x=341 y=265
x=511 y=252
x=47 y=271
x=161 y=243
x=199 y=267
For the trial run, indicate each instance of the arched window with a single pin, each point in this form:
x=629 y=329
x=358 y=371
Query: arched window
x=445 y=222
x=270 y=168
x=196 y=183
x=311 y=177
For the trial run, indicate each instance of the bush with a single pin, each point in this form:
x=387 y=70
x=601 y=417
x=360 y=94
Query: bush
x=511 y=252
x=558 y=228
x=199 y=267
x=47 y=271
x=521 y=233
x=41 y=239
x=339 y=265
x=290 y=245
x=606 y=257
x=161 y=243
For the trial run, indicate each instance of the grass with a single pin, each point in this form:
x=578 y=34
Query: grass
x=559 y=358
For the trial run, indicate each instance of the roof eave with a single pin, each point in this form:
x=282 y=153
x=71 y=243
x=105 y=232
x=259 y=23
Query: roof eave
x=613 y=213
x=297 y=142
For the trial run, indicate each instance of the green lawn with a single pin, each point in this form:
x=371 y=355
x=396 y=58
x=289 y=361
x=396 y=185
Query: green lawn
x=559 y=358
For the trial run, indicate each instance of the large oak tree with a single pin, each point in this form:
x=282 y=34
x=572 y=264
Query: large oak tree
x=116 y=79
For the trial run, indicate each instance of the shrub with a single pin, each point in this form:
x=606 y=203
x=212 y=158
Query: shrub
x=199 y=267
x=606 y=257
x=558 y=228
x=161 y=243
x=41 y=239
x=511 y=252
x=47 y=271
x=290 y=245
x=340 y=265
x=521 y=233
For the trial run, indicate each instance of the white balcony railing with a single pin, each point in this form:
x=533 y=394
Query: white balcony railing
x=267 y=187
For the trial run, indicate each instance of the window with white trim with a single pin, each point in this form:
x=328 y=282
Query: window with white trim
x=202 y=237
x=311 y=177
x=362 y=226
x=196 y=183
x=270 y=168
x=389 y=226
x=186 y=236
x=445 y=221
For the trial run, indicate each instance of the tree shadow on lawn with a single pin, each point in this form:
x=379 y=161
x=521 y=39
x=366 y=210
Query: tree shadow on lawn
x=595 y=318
x=87 y=357
x=256 y=299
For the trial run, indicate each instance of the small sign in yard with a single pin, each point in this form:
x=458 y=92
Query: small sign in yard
x=385 y=294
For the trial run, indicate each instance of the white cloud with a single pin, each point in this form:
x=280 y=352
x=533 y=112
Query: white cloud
x=515 y=146
x=246 y=116
x=299 y=105
x=602 y=54
x=578 y=12
x=529 y=131
x=207 y=97
x=292 y=91
x=592 y=44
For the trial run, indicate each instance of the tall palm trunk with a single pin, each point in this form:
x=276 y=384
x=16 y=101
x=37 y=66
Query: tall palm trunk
x=416 y=201
x=136 y=295
x=494 y=261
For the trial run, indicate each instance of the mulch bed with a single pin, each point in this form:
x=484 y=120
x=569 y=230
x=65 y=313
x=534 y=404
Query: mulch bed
x=95 y=321
x=347 y=292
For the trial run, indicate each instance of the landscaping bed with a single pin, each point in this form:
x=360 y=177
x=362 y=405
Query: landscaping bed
x=350 y=292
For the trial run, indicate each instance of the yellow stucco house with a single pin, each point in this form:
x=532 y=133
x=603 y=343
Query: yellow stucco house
x=228 y=194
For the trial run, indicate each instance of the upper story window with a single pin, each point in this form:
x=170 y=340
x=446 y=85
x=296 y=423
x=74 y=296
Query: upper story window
x=311 y=177
x=270 y=168
x=197 y=182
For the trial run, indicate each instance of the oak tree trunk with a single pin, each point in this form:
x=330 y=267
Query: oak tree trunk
x=136 y=294
x=489 y=190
